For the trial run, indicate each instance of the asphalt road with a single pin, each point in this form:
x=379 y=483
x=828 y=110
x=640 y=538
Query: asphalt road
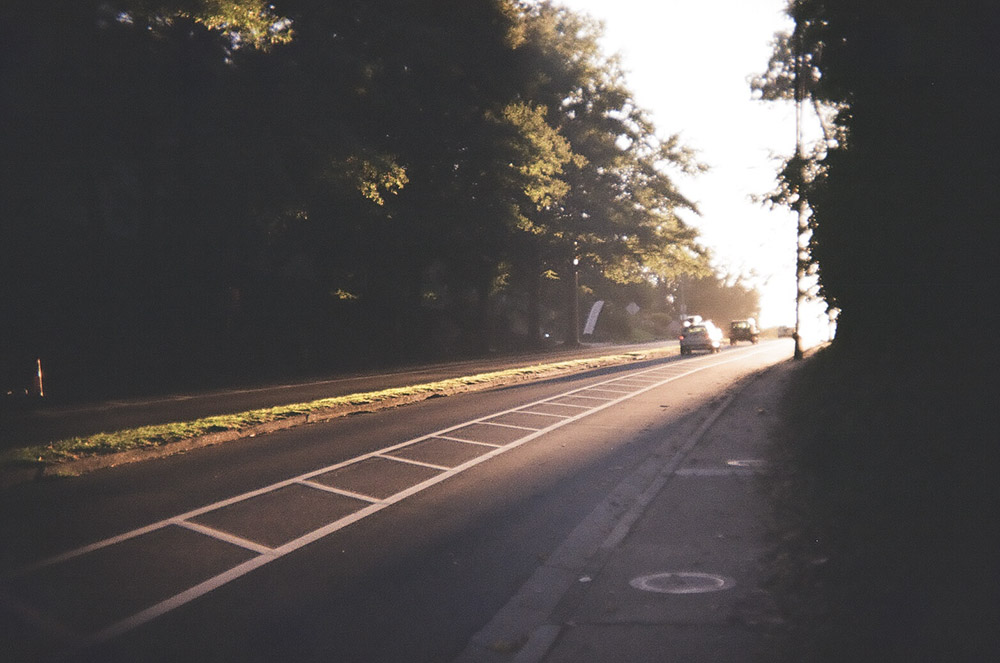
x=391 y=536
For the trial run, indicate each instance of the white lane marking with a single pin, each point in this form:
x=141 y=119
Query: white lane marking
x=463 y=441
x=494 y=423
x=641 y=380
x=174 y=602
x=544 y=414
x=748 y=462
x=410 y=461
x=338 y=491
x=713 y=472
x=214 y=583
x=239 y=541
x=407 y=461
x=592 y=398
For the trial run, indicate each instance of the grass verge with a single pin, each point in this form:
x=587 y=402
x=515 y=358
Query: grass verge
x=59 y=452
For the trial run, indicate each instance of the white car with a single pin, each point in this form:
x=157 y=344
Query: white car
x=704 y=336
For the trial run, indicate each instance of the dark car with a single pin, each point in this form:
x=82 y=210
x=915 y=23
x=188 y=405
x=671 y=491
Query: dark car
x=743 y=330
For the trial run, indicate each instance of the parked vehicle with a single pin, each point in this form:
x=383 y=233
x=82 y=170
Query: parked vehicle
x=743 y=330
x=702 y=336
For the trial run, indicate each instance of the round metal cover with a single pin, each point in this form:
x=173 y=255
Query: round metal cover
x=682 y=582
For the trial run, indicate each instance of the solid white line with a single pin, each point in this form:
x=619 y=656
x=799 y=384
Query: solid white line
x=407 y=461
x=176 y=601
x=410 y=461
x=713 y=472
x=493 y=423
x=543 y=414
x=338 y=491
x=258 y=548
x=458 y=439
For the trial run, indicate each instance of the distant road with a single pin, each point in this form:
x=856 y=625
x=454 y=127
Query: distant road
x=49 y=423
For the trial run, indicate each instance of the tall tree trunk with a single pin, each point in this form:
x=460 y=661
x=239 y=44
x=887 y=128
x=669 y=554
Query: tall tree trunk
x=484 y=339
x=573 y=306
x=534 y=303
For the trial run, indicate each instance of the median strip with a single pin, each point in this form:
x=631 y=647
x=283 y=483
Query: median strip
x=77 y=455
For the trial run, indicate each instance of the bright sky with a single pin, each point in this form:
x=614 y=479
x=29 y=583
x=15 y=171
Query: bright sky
x=687 y=63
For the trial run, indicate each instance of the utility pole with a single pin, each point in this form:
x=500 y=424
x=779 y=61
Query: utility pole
x=573 y=337
x=801 y=260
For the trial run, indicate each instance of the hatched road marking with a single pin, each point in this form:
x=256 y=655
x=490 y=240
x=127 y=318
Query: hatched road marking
x=323 y=498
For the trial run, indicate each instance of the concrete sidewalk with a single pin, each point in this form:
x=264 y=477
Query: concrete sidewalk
x=679 y=577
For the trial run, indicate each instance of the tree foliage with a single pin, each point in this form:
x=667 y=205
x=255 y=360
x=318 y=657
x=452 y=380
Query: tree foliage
x=720 y=299
x=209 y=186
x=899 y=187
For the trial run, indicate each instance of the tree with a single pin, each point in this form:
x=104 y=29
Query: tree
x=793 y=75
x=898 y=190
x=113 y=145
x=617 y=218
x=199 y=187
x=720 y=299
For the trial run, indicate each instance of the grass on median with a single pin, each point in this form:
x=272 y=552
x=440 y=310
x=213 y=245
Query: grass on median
x=147 y=437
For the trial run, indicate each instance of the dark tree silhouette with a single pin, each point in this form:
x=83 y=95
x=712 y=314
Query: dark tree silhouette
x=196 y=190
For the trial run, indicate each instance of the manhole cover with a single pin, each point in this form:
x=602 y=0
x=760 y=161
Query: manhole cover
x=683 y=582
